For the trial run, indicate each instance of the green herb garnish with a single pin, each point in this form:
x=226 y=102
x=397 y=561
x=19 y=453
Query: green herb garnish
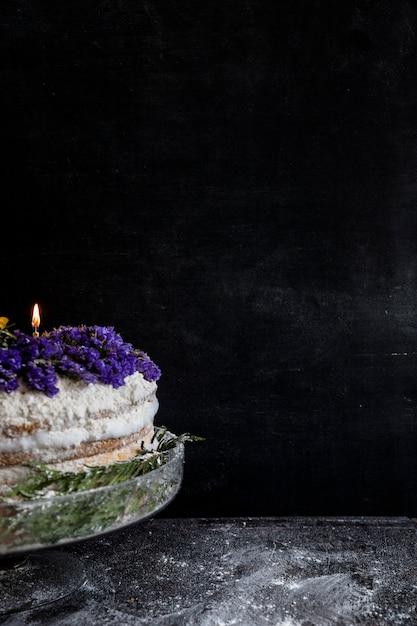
x=5 y=331
x=45 y=479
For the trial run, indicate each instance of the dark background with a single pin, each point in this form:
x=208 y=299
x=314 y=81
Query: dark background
x=232 y=185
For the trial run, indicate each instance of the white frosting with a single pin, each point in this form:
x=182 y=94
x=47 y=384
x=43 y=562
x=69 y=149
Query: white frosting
x=78 y=413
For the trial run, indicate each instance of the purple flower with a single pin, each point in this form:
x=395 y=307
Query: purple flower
x=10 y=364
x=145 y=366
x=87 y=353
x=42 y=377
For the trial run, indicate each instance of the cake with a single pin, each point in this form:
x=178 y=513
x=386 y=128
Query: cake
x=72 y=397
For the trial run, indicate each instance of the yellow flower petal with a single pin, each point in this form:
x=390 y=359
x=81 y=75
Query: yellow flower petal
x=3 y=322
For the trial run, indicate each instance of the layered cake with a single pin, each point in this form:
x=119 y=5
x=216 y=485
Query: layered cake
x=72 y=397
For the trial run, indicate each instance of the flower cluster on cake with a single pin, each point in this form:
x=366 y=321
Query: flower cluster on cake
x=72 y=397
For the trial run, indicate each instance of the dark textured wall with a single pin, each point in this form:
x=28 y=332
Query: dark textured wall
x=232 y=185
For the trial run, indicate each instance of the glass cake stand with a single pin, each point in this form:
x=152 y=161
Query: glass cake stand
x=31 y=576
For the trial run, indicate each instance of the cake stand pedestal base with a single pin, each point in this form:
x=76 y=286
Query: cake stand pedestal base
x=31 y=581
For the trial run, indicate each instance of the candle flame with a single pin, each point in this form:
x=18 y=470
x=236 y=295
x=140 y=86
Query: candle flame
x=36 y=318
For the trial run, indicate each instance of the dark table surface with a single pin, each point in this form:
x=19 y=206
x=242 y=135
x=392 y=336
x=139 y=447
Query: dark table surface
x=250 y=571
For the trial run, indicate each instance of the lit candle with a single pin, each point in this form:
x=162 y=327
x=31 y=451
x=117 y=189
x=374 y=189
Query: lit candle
x=36 y=320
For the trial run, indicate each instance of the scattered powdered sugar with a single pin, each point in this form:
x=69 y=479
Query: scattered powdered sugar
x=240 y=577
x=201 y=573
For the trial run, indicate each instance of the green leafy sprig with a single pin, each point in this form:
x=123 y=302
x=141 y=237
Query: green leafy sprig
x=45 y=479
x=5 y=333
